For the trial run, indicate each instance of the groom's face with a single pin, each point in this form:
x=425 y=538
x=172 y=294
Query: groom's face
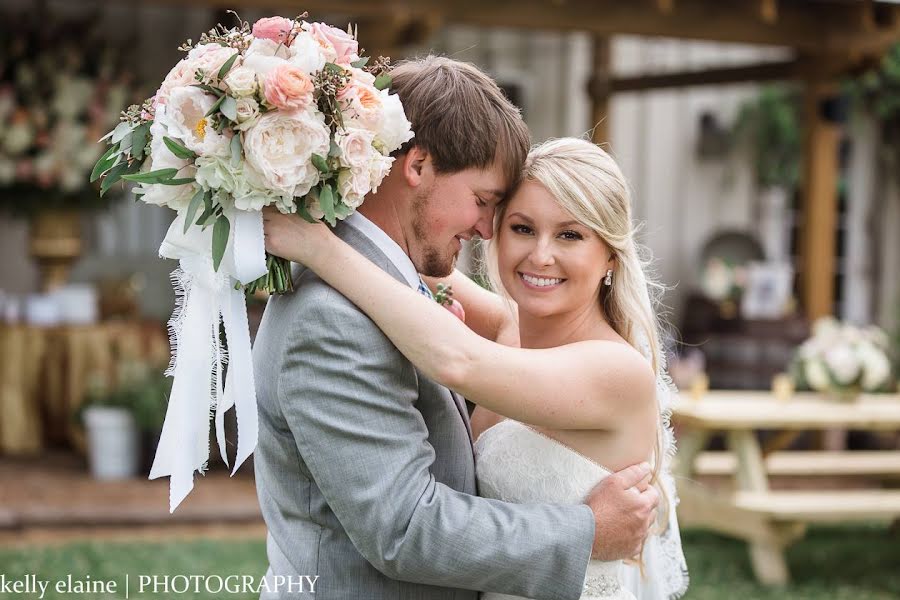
x=450 y=208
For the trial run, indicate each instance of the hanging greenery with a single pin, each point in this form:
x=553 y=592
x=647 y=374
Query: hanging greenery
x=878 y=92
x=769 y=127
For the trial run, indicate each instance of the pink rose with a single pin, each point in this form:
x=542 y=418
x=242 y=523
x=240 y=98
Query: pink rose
x=276 y=29
x=181 y=75
x=287 y=87
x=338 y=46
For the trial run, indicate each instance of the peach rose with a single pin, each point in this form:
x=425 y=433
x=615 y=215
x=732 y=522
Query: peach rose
x=287 y=87
x=273 y=28
x=362 y=103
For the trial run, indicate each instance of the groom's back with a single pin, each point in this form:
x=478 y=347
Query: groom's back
x=333 y=394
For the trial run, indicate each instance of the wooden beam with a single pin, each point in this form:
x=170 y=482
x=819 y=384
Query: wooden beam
x=820 y=204
x=814 y=25
x=599 y=90
x=771 y=71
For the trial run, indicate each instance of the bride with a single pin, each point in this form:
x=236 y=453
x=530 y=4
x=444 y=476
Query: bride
x=586 y=394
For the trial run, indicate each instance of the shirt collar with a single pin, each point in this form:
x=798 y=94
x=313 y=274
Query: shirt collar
x=387 y=245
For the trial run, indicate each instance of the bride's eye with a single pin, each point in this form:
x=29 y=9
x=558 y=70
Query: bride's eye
x=571 y=235
x=523 y=229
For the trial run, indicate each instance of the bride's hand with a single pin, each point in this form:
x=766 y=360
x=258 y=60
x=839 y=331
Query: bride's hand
x=291 y=237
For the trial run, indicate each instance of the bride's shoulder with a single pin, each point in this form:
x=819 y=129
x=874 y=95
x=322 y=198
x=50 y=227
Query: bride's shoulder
x=620 y=367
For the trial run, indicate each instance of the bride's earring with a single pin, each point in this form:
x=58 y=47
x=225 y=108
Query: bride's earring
x=608 y=280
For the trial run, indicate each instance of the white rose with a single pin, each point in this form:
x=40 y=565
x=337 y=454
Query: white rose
x=353 y=185
x=267 y=48
x=379 y=167
x=183 y=117
x=395 y=128
x=247 y=110
x=241 y=81
x=176 y=197
x=356 y=147
x=209 y=58
x=280 y=145
x=843 y=364
x=816 y=375
x=306 y=54
x=875 y=367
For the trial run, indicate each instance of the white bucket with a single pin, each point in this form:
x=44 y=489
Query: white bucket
x=113 y=442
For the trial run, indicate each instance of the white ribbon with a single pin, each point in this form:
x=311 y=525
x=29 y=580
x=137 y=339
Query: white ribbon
x=204 y=298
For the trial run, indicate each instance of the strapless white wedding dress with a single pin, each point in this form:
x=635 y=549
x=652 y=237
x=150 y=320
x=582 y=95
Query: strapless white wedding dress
x=516 y=463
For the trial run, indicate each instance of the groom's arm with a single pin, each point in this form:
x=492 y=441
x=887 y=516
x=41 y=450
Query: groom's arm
x=349 y=397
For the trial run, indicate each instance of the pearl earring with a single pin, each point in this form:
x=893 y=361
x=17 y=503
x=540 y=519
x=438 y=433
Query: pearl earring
x=608 y=280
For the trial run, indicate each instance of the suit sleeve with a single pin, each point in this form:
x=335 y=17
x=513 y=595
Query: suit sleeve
x=349 y=397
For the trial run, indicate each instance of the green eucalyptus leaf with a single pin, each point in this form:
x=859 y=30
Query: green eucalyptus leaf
x=192 y=209
x=227 y=66
x=326 y=201
x=229 y=108
x=221 y=231
x=209 y=88
x=158 y=176
x=215 y=106
x=236 y=150
x=382 y=82
x=113 y=176
x=301 y=210
x=320 y=163
x=121 y=130
x=334 y=149
x=359 y=64
x=178 y=149
x=181 y=181
x=139 y=140
x=104 y=163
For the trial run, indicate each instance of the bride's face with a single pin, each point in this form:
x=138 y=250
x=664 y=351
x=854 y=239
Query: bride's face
x=549 y=263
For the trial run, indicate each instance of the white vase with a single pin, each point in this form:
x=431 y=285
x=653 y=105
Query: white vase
x=113 y=442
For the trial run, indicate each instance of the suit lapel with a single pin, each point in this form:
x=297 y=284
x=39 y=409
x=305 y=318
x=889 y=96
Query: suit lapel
x=370 y=250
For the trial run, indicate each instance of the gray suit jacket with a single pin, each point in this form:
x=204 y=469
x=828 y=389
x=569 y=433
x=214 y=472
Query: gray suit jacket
x=365 y=471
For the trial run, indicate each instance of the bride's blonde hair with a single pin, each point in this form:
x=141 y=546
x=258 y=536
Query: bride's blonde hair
x=588 y=184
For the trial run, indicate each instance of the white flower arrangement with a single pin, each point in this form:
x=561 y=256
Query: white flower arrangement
x=843 y=359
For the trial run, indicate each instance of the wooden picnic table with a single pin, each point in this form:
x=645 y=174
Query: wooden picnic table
x=770 y=520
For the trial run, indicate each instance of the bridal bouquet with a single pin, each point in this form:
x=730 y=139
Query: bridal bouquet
x=283 y=113
x=842 y=359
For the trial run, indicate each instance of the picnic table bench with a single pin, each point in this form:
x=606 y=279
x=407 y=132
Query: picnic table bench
x=770 y=520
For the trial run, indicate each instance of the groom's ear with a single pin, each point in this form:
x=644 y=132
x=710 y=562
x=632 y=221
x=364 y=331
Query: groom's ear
x=416 y=166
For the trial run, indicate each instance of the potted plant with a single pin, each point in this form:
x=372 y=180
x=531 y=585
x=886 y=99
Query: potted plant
x=123 y=422
x=842 y=360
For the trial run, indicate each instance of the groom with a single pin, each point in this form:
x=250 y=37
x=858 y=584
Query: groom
x=364 y=468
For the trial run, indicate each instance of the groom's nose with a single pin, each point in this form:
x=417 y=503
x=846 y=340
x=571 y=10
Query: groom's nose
x=484 y=227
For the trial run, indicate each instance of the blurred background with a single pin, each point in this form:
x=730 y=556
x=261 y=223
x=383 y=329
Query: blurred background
x=761 y=139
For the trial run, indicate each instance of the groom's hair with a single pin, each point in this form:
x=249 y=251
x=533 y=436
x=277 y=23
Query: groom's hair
x=460 y=116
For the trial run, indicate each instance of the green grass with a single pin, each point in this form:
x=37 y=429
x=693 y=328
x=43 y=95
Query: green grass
x=858 y=563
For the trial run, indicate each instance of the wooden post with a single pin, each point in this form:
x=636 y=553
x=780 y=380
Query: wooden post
x=820 y=203
x=599 y=89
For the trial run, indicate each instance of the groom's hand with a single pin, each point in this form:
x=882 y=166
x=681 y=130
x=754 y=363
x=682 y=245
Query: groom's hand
x=624 y=506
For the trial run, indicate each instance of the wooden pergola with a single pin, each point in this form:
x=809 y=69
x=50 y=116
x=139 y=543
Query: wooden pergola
x=828 y=39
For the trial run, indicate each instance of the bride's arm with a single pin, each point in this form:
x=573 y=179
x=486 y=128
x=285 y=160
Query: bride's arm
x=487 y=314
x=587 y=385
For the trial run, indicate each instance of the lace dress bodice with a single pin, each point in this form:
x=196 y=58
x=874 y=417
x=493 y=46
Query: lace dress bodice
x=516 y=463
